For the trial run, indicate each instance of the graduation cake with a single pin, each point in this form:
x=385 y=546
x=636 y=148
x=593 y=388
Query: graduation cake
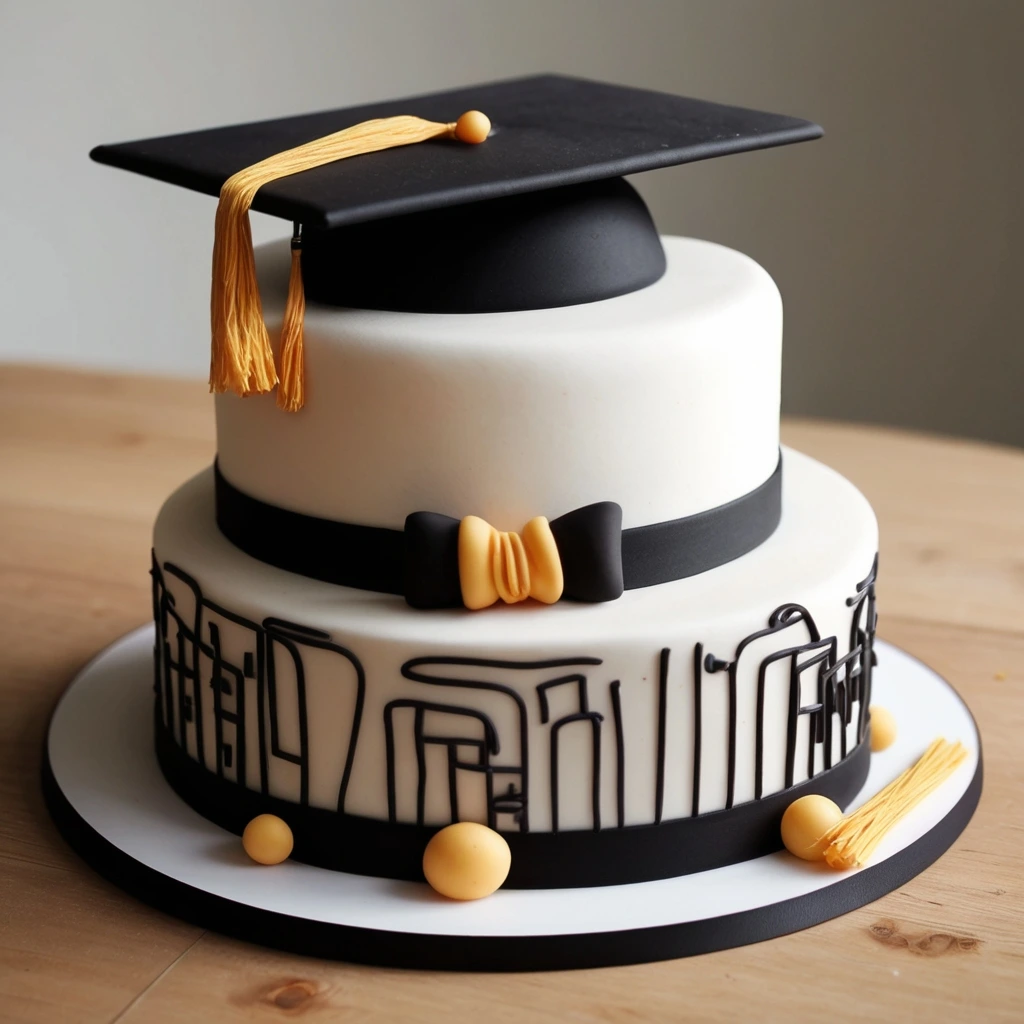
x=513 y=541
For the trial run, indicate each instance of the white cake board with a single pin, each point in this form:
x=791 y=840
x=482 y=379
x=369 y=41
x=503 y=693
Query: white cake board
x=111 y=802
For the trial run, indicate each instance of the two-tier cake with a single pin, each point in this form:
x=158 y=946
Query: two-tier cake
x=529 y=554
x=501 y=579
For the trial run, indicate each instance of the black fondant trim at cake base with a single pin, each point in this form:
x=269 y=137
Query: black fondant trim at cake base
x=501 y=953
x=97 y=773
x=540 y=860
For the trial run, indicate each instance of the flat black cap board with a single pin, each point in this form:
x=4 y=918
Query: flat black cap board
x=535 y=216
x=548 y=131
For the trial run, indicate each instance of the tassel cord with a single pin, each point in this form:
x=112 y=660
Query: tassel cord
x=241 y=357
x=291 y=395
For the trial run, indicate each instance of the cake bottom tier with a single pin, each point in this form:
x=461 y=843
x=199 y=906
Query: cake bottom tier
x=652 y=736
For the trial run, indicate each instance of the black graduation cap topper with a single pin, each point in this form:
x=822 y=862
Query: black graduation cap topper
x=536 y=216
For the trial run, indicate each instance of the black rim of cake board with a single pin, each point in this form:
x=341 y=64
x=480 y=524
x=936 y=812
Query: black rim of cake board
x=501 y=953
x=508 y=953
x=540 y=860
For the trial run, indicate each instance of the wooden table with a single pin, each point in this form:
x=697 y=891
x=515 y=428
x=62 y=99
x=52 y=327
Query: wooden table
x=85 y=461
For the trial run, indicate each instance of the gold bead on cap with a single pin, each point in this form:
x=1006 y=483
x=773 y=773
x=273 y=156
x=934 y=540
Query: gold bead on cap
x=472 y=127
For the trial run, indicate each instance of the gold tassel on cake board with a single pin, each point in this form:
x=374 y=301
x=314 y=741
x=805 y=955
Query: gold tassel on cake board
x=851 y=841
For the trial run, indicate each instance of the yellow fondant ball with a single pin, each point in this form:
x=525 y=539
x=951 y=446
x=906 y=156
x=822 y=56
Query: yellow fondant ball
x=806 y=820
x=466 y=861
x=473 y=127
x=267 y=839
x=883 y=728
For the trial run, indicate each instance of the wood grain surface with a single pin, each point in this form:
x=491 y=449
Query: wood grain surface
x=86 y=460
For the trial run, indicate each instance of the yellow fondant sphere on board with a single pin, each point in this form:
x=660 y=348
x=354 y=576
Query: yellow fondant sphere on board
x=466 y=861
x=883 y=728
x=267 y=839
x=806 y=820
x=472 y=127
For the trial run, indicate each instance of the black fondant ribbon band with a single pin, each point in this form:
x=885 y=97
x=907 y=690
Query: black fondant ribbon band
x=599 y=559
x=540 y=860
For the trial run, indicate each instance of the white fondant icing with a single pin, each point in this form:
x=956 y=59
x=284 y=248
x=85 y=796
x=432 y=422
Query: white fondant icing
x=823 y=547
x=665 y=401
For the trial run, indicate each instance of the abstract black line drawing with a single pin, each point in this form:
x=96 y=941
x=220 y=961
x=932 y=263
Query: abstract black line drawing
x=513 y=802
x=583 y=714
x=182 y=670
x=841 y=682
x=229 y=688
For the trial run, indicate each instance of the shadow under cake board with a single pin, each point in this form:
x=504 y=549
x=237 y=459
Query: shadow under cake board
x=111 y=803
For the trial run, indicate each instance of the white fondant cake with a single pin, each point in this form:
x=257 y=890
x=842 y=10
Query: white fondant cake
x=665 y=400
x=500 y=534
x=822 y=550
x=682 y=701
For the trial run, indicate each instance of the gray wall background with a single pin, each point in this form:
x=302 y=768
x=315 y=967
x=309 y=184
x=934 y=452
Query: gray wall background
x=896 y=240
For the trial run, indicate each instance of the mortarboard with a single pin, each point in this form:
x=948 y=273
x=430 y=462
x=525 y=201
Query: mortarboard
x=537 y=216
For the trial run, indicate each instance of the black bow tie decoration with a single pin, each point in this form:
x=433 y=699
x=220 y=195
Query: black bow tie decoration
x=588 y=539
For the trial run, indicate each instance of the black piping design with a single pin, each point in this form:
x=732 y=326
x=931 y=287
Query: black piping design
x=659 y=791
x=584 y=714
x=841 y=682
x=485 y=747
x=698 y=725
x=228 y=682
x=511 y=802
x=620 y=753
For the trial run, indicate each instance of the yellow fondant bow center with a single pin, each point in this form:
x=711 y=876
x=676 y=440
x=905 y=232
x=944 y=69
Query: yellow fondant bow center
x=508 y=566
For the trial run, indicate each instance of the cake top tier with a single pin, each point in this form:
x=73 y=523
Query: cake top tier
x=665 y=401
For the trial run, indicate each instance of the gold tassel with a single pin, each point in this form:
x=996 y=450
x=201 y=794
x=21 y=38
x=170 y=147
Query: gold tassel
x=291 y=394
x=241 y=358
x=851 y=841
